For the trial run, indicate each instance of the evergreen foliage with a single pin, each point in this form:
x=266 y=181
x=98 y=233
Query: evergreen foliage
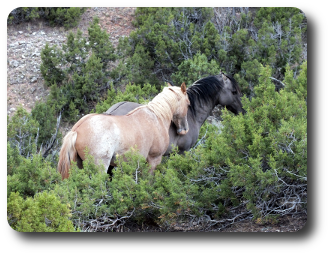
x=43 y=213
x=45 y=116
x=63 y=16
x=34 y=133
x=298 y=85
x=86 y=192
x=50 y=67
x=275 y=40
x=67 y=17
x=132 y=93
x=165 y=38
x=131 y=187
x=22 y=131
x=79 y=72
x=259 y=159
x=28 y=176
x=194 y=69
x=100 y=44
x=92 y=196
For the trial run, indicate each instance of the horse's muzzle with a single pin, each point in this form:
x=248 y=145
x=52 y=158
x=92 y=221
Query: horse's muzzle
x=182 y=131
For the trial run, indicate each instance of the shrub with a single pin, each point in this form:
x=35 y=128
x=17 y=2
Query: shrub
x=67 y=17
x=51 y=66
x=102 y=47
x=29 y=176
x=132 y=93
x=194 y=69
x=276 y=40
x=64 y=16
x=13 y=158
x=167 y=40
x=131 y=187
x=100 y=205
x=77 y=73
x=22 y=131
x=296 y=85
x=45 y=116
x=86 y=191
x=43 y=213
x=165 y=37
x=265 y=157
x=34 y=133
x=255 y=166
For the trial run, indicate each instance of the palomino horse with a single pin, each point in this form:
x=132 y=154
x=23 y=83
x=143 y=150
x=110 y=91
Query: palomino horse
x=203 y=95
x=145 y=127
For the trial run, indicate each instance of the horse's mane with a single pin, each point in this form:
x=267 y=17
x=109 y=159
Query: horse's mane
x=235 y=84
x=164 y=104
x=203 y=90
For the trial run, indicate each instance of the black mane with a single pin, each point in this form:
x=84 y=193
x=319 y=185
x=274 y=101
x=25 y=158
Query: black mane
x=203 y=90
x=234 y=83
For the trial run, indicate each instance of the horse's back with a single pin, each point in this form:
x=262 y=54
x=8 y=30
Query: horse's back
x=122 y=108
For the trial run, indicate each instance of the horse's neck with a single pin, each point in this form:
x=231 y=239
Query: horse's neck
x=149 y=111
x=202 y=111
x=164 y=112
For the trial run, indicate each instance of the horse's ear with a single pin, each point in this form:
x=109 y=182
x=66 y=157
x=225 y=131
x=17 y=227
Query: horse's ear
x=169 y=84
x=224 y=77
x=183 y=88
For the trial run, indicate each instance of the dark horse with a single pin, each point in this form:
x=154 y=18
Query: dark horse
x=203 y=95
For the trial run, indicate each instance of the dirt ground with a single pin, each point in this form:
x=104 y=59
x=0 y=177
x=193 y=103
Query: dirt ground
x=284 y=224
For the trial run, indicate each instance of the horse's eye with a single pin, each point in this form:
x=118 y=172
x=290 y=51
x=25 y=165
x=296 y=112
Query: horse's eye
x=234 y=92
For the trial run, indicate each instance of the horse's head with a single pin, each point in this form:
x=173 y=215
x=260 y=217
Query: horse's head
x=180 y=114
x=230 y=95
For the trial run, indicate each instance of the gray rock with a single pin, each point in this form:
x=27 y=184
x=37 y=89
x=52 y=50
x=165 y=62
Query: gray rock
x=33 y=79
x=13 y=44
x=13 y=63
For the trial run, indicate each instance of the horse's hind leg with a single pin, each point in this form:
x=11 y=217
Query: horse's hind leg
x=79 y=162
x=110 y=173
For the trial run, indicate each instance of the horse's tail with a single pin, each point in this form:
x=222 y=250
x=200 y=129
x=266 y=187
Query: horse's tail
x=68 y=153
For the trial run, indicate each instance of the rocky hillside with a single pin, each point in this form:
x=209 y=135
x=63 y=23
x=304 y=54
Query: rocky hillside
x=25 y=84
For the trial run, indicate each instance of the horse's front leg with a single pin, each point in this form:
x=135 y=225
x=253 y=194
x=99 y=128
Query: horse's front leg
x=154 y=162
